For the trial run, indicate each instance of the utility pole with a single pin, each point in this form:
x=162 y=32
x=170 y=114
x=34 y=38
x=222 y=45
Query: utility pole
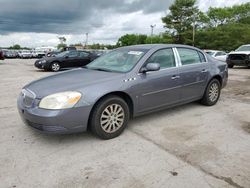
x=194 y=19
x=152 y=31
x=87 y=38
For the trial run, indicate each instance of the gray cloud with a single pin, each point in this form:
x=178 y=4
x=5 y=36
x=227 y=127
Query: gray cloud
x=68 y=16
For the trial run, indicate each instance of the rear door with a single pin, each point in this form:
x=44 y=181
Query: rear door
x=159 y=88
x=193 y=73
x=83 y=58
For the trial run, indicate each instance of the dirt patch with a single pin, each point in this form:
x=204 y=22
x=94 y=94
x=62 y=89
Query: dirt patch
x=246 y=127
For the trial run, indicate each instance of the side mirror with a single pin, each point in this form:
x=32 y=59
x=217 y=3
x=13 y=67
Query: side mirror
x=151 y=67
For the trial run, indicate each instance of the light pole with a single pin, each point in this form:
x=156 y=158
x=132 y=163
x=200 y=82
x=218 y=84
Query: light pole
x=87 y=38
x=152 y=31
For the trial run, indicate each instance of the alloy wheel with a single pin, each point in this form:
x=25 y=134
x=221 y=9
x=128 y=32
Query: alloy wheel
x=112 y=118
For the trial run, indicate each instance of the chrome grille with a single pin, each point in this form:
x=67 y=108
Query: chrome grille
x=28 y=98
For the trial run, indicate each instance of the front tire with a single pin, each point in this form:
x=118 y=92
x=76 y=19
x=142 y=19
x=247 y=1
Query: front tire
x=55 y=67
x=212 y=93
x=109 y=117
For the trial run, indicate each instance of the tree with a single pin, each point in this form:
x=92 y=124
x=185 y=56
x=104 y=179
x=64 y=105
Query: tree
x=183 y=16
x=226 y=15
x=131 y=39
x=59 y=46
x=15 y=47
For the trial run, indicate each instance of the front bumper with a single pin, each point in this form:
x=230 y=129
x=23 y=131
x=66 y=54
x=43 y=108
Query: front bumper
x=40 y=65
x=54 y=121
x=238 y=62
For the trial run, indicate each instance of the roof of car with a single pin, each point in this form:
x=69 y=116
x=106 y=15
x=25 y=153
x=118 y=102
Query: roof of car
x=151 y=46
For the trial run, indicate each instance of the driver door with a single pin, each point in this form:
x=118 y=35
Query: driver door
x=159 y=88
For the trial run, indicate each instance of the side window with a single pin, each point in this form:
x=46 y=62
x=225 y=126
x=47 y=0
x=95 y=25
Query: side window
x=189 y=56
x=73 y=54
x=84 y=54
x=202 y=57
x=164 y=57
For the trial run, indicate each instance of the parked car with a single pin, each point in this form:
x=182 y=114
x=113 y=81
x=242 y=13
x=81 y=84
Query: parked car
x=219 y=55
x=67 y=59
x=55 y=52
x=240 y=57
x=25 y=54
x=119 y=85
x=1 y=55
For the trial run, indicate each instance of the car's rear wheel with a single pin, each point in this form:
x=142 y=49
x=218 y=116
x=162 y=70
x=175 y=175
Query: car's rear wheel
x=109 y=117
x=212 y=93
x=230 y=65
x=55 y=67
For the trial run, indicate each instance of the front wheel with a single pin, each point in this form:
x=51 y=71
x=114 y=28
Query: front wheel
x=212 y=93
x=55 y=67
x=109 y=117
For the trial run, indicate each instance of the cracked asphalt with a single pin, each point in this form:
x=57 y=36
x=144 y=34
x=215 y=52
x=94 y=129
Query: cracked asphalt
x=186 y=146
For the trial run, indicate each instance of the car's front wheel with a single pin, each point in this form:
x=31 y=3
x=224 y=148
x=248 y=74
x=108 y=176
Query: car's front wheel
x=55 y=67
x=109 y=117
x=212 y=93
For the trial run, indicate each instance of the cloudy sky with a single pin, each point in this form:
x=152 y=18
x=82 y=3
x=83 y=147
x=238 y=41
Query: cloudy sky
x=35 y=23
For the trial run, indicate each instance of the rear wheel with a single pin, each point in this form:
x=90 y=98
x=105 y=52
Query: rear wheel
x=55 y=67
x=109 y=117
x=212 y=93
x=230 y=65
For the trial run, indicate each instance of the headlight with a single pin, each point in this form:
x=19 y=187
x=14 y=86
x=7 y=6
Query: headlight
x=59 y=101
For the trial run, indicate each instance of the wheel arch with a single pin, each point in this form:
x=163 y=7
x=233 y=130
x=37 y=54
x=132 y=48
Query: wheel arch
x=218 y=77
x=126 y=97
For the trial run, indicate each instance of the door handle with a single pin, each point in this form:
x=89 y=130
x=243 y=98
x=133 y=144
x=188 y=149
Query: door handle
x=204 y=71
x=175 y=77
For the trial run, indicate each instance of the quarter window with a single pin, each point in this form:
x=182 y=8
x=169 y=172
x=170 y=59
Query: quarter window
x=164 y=57
x=189 y=56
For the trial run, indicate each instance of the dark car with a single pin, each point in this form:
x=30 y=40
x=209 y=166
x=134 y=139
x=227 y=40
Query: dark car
x=67 y=59
x=54 y=53
x=1 y=55
x=119 y=85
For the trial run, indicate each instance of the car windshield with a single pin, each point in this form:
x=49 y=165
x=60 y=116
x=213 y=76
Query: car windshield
x=62 y=54
x=243 y=48
x=122 y=60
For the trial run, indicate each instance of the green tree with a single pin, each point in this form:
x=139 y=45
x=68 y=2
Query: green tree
x=131 y=39
x=59 y=46
x=15 y=47
x=179 y=21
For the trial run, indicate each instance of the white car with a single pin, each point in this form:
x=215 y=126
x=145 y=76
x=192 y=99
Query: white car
x=25 y=54
x=240 y=57
x=219 y=55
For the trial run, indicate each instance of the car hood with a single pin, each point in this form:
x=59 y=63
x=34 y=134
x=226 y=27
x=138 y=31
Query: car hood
x=240 y=52
x=73 y=80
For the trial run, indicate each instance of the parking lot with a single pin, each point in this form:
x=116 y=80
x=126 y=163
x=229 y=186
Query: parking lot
x=187 y=146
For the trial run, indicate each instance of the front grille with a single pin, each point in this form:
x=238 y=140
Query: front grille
x=238 y=57
x=28 y=98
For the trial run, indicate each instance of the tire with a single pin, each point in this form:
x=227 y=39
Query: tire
x=108 y=124
x=55 y=66
x=212 y=93
x=230 y=65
